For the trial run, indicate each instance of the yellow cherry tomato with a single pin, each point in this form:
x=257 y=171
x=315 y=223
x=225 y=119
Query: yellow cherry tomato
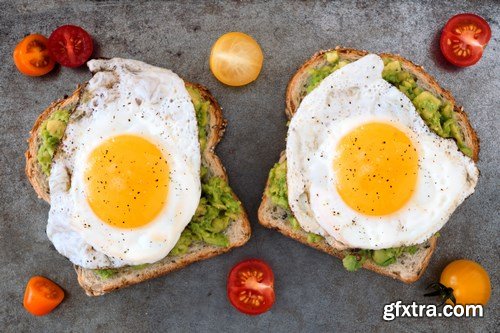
x=236 y=59
x=469 y=281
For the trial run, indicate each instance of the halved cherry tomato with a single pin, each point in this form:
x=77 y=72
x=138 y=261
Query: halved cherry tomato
x=71 y=46
x=236 y=59
x=250 y=287
x=32 y=57
x=463 y=39
x=42 y=296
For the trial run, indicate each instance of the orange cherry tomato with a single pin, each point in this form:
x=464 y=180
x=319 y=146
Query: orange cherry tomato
x=236 y=59
x=469 y=280
x=32 y=56
x=250 y=287
x=42 y=296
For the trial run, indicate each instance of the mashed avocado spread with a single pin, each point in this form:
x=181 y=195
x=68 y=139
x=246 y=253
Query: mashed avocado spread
x=201 y=107
x=215 y=211
x=217 y=205
x=436 y=113
x=51 y=133
x=354 y=260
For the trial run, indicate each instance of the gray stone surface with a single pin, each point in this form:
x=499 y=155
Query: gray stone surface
x=313 y=291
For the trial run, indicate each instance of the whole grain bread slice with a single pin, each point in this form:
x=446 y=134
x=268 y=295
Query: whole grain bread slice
x=238 y=232
x=409 y=267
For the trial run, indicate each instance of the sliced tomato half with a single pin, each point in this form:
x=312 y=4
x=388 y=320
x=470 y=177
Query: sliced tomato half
x=236 y=59
x=250 y=287
x=70 y=45
x=463 y=39
x=32 y=57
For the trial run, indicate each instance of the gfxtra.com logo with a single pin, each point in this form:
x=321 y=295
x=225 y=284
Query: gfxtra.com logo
x=399 y=310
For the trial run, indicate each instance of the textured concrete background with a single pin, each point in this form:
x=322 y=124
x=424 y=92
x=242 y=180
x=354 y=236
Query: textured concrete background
x=313 y=291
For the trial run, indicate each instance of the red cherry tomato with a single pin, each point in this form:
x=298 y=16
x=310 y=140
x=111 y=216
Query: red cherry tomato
x=71 y=46
x=250 y=287
x=463 y=39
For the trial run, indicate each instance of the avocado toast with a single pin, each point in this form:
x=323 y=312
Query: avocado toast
x=220 y=222
x=439 y=111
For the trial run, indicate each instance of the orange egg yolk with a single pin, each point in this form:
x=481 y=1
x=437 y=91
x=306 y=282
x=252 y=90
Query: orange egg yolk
x=376 y=169
x=127 y=180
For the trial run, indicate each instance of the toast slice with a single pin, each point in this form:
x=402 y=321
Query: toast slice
x=238 y=232
x=408 y=267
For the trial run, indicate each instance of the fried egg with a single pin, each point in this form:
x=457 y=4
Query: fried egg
x=364 y=170
x=125 y=181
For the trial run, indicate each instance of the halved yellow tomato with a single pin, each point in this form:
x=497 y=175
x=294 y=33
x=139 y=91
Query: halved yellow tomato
x=236 y=59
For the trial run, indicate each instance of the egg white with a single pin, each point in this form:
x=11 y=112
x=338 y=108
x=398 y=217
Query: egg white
x=354 y=95
x=125 y=97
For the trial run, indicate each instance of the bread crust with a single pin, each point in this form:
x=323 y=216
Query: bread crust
x=295 y=92
x=238 y=231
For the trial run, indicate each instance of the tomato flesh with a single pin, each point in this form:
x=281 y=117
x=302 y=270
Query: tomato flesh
x=236 y=59
x=32 y=57
x=70 y=45
x=463 y=39
x=250 y=287
x=42 y=296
